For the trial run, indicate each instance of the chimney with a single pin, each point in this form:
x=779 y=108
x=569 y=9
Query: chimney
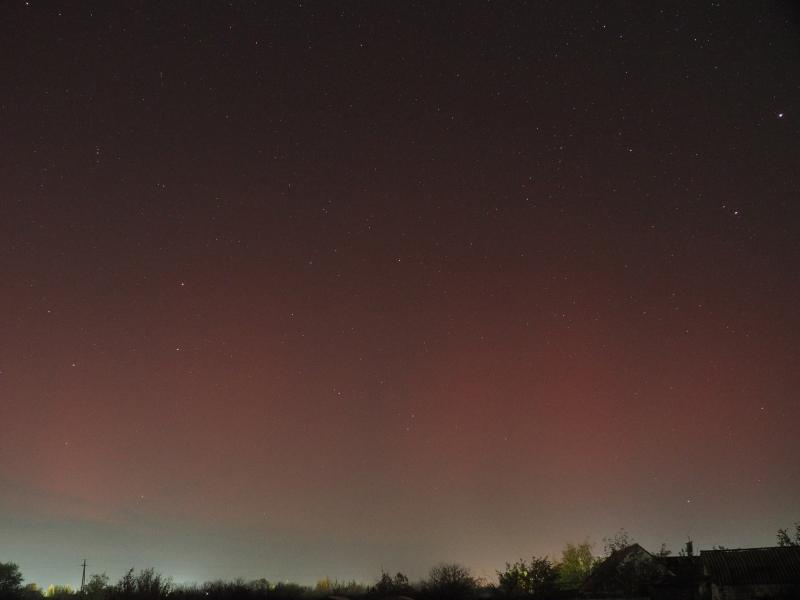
x=689 y=548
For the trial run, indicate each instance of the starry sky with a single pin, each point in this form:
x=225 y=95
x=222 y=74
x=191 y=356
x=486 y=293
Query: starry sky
x=296 y=289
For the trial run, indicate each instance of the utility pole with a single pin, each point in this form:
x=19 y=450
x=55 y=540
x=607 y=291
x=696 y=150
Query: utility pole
x=83 y=577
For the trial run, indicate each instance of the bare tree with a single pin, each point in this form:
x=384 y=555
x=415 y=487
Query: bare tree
x=618 y=541
x=785 y=539
x=450 y=581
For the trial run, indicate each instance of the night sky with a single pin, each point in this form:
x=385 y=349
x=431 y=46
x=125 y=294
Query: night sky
x=300 y=289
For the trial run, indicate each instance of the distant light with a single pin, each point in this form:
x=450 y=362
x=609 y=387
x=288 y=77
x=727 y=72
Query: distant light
x=780 y=115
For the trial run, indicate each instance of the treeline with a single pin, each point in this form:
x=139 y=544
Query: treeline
x=447 y=581
x=537 y=578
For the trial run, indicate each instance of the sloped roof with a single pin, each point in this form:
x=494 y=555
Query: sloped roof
x=753 y=565
x=606 y=572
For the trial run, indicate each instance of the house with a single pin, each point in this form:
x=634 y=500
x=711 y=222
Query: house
x=746 y=574
x=627 y=573
x=685 y=581
x=752 y=573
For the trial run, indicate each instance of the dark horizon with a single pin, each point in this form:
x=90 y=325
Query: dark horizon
x=304 y=288
x=551 y=576
x=599 y=549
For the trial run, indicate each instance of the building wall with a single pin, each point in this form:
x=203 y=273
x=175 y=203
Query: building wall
x=677 y=593
x=754 y=592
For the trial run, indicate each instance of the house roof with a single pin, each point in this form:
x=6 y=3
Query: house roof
x=606 y=572
x=611 y=563
x=753 y=565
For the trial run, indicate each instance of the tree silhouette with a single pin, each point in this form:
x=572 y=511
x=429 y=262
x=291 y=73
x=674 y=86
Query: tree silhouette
x=576 y=563
x=784 y=539
x=450 y=581
x=97 y=587
x=388 y=586
x=147 y=585
x=10 y=580
x=618 y=541
x=534 y=579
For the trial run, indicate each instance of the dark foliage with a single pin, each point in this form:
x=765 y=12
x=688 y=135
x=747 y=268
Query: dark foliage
x=146 y=585
x=536 y=579
x=388 y=586
x=10 y=578
x=786 y=539
x=450 y=581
